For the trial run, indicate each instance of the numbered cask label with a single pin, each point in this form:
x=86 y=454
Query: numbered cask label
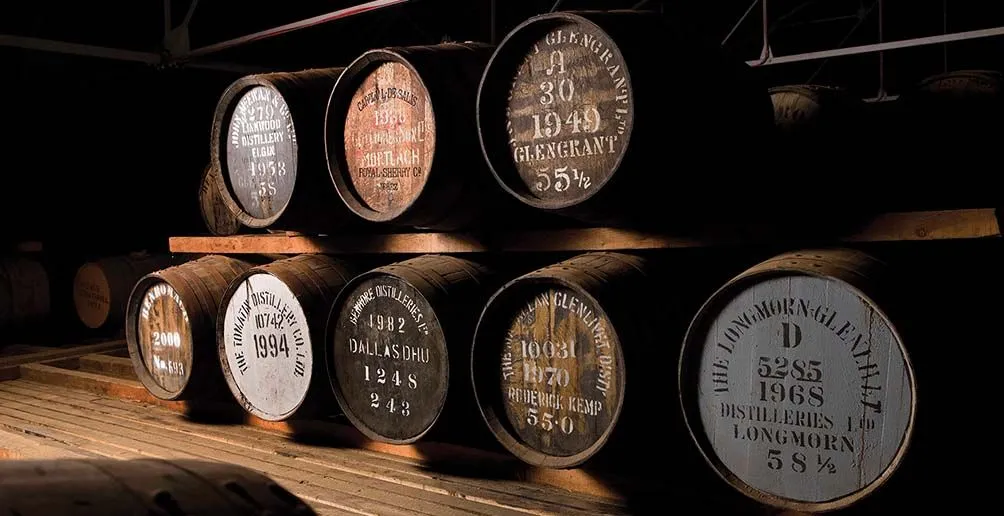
x=261 y=152
x=559 y=373
x=390 y=359
x=267 y=346
x=218 y=218
x=165 y=337
x=390 y=135
x=804 y=390
x=569 y=114
x=91 y=295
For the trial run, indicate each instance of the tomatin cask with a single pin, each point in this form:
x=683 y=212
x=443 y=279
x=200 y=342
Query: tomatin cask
x=795 y=383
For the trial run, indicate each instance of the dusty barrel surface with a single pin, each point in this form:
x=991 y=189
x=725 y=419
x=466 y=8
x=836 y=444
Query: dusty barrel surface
x=171 y=327
x=102 y=287
x=809 y=112
x=549 y=356
x=268 y=143
x=142 y=486
x=271 y=334
x=795 y=383
x=398 y=345
x=218 y=218
x=401 y=136
x=24 y=292
x=575 y=118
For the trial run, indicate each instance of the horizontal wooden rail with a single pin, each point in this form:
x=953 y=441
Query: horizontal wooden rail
x=890 y=227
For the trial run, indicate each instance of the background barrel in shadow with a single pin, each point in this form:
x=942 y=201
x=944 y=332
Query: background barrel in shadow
x=101 y=288
x=24 y=295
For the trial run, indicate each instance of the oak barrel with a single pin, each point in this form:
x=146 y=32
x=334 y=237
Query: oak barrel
x=102 y=287
x=171 y=327
x=268 y=143
x=270 y=337
x=795 y=383
x=595 y=115
x=102 y=487
x=397 y=347
x=401 y=136
x=24 y=292
x=218 y=218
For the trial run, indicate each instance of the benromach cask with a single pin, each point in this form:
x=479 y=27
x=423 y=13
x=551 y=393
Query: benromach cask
x=25 y=298
x=401 y=136
x=796 y=384
x=399 y=347
x=268 y=144
x=102 y=287
x=218 y=218
x=171 y=327
x=576 y=118
x=270 y=335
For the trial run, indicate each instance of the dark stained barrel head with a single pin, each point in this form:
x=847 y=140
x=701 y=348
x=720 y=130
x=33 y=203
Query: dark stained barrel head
x=92 y=295
x=164 y=336
x=389 y=136
x=260 y=152
x=266 y=346
x=388 y=364
x=219 y=220
x=796 y=385
x=566 y=110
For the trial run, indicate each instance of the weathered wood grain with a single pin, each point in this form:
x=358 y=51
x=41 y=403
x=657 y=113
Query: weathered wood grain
x=219 y=220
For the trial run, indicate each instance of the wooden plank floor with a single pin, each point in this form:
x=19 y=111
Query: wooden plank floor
x=39 y=420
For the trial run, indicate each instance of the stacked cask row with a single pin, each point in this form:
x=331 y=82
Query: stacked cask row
x=270 y=336
x=101 y=288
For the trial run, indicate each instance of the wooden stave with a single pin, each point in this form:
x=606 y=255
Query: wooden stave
x=128 y=269
x=19 y=313
x=632 y=30
x=315 y=280
x=866 y=275
x=208 y=199
x=201 y=302
x=458 y=185
x=305 y=93
x=452 y=302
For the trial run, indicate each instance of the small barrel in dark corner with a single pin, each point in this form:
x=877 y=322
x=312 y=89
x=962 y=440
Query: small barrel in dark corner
x=270 y=336
x=101 y=288
x=795 y=382
x=268 y=144
x=398 y=349
x=171 y=328
x=218 y=218
x=25 y=296
x=615 y=117
x=401 y=138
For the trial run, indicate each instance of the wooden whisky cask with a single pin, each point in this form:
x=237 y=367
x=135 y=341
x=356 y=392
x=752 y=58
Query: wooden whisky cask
x=101 y=288
x=218 y=218
x=171 y=327
x=550 y=359
x=574 y=115
x=142 y=486
x=795 y=383
x=401 y=136
x=397 y=347
x=24 y=292
x=271 y=336
x=268 y=143
x=813 y=112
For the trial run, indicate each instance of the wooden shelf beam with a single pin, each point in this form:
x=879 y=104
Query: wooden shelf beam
x=891 y=227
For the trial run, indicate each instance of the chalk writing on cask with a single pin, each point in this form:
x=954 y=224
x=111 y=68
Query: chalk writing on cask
x=569 y=113
x=267 y=345
x=558 y=375
x=165 y=337
x=804 y=390
x=261 y=152
x=390 y=358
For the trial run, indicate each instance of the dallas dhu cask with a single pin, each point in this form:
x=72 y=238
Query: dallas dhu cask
x=271 y=335
x=796 y=384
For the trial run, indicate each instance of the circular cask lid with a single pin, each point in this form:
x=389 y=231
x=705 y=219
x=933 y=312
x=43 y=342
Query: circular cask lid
x=218 y=218
x=92 y=295
x=388 y=366
x=549 y=372
x=796 y=385
x=569 y=113
x=261 y=152
x=164 y=336
x=266 y=342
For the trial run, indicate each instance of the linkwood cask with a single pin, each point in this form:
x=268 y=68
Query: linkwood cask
x=219 y=220
x=268 y=143
x=795 y=383
x=140 y=486
x=24 y=292
x=398 y=348
x=101 y=288
x=171 y=327
x=271 y=335
x=576 y=117
x=401 y=136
